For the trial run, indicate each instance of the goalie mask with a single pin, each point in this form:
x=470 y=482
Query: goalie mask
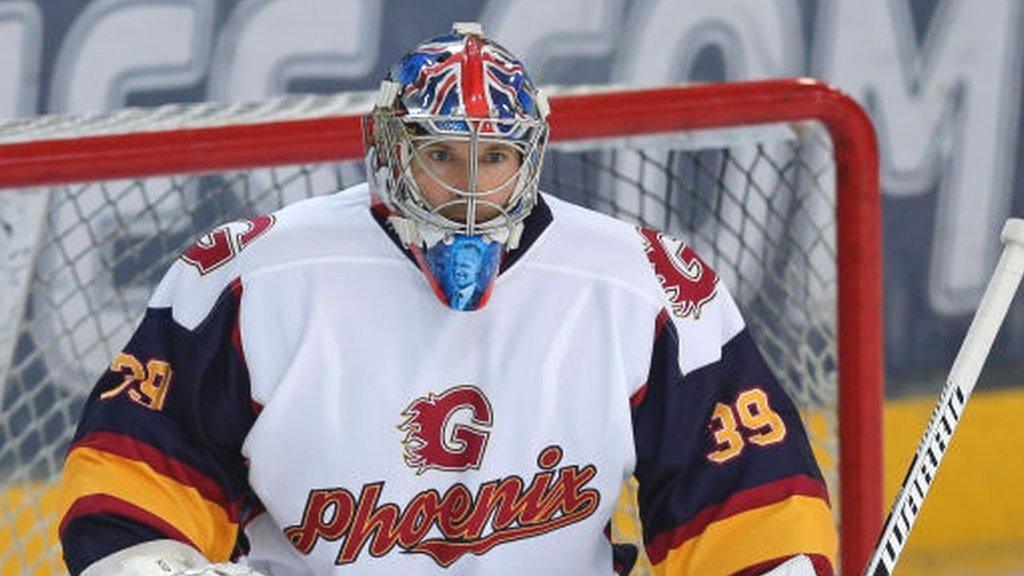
x=454 y=146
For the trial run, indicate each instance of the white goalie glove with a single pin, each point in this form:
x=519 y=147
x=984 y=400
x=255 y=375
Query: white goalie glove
x=172 y=558
x=163 y=558
x=797 y=566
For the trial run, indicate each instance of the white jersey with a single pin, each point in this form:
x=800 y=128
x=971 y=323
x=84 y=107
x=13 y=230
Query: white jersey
x=299 y=399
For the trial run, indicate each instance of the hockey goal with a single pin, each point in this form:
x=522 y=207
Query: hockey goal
x=775 y=183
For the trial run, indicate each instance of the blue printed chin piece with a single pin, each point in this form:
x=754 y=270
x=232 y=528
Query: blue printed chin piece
x=465 y=269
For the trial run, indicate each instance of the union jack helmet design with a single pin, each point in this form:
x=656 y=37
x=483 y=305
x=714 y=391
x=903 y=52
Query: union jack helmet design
x=457 y=87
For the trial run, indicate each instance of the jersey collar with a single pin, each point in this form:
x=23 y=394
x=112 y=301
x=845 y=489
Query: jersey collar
x=533 y=226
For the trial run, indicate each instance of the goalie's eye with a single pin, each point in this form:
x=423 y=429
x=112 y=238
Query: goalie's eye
x=495 y=157
x=439 y=155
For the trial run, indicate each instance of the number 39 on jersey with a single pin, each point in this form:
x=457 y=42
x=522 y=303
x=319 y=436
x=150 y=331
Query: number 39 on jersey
x=748 y=420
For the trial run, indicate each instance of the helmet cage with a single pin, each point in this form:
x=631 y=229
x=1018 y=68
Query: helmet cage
x=400 y=139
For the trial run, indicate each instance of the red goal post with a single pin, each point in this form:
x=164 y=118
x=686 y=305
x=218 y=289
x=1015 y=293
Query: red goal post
x=158 y=149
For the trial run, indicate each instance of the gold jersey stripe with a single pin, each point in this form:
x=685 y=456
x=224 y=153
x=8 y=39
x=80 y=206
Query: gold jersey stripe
x=796 y=525
x=89 y=472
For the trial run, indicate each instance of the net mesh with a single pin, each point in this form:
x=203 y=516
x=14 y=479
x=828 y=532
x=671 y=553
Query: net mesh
x=83 y=259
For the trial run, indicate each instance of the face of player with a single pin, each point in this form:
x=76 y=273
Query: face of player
x=447 y=163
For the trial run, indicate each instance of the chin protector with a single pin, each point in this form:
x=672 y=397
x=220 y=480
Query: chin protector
x=461 y=270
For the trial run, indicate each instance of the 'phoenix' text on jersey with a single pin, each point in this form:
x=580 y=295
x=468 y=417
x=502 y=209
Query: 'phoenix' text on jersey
x=447 y=526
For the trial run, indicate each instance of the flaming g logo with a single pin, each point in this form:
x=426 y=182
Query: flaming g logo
x=689 y=283
x=436 y=439
x=458 y=521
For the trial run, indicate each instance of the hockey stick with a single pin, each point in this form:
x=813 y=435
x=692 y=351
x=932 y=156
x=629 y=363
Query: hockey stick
x=961 y=381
